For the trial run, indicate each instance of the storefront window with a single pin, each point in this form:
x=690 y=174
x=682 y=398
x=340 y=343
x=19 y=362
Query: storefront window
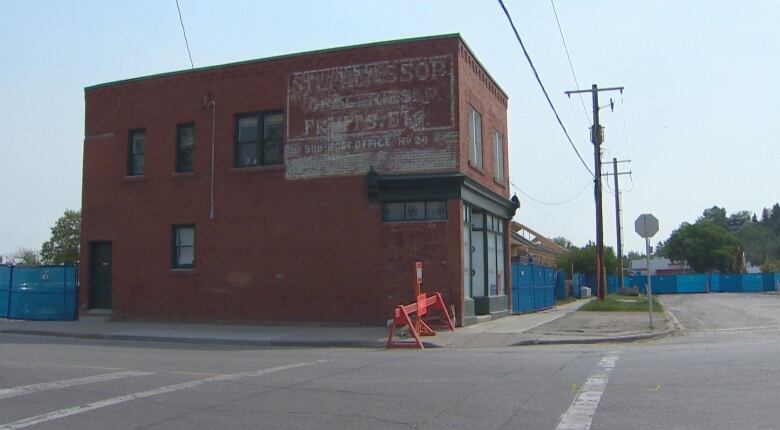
x=483 y=241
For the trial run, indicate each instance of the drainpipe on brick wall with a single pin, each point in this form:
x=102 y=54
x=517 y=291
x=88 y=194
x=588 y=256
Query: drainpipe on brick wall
x=213 y=126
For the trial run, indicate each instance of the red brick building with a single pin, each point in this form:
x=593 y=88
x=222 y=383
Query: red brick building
x=298 y=188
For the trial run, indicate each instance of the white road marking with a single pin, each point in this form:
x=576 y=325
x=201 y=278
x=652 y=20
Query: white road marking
x=62 y=413
x=580 y=414
x=737 y=329
x=6 y=393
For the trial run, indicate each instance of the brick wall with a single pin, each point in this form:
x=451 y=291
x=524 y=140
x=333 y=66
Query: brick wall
x=295 y=242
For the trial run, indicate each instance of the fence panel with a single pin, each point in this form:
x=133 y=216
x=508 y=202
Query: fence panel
x=522 y=288
x=525 y=274
x=664 y=284
x=533 y=287
x=640 y=282
x=5 y=290
x=613 y=284
x=43 y=293
x=560 y=285
x=687 y=284
x=714 y=280
x=539 y=278
x=771 y=281
x=752 y=283
x=730 y=283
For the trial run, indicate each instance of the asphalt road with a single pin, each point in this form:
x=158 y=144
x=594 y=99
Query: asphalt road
x=723 y=374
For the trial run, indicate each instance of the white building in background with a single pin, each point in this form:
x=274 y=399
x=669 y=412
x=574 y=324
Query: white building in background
x=659 y=266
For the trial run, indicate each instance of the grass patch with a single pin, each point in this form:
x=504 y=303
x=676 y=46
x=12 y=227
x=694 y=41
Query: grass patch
x=617 y=303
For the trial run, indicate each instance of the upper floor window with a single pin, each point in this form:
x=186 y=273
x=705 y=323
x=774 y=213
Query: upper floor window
x=414 y=211
x=183 y=246
x=498 y=150
x=259 y=139
x=185 y=147
x=475 y=138
x=135 y=152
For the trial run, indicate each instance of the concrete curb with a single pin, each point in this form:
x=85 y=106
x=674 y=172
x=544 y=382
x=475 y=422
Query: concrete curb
x=278 y=343
x=592 y=340
x=675 y=322
x=291 y=343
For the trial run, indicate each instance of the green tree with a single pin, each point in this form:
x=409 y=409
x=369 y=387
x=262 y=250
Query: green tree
x=774 y=218
x=739 y=219
x=759 y=242
x=584 y=260
x=771 y=266
x=706 y=246
x=65 y=243
x=562 y=241
x=715 y=214
x=26 y=257
x=633 y=255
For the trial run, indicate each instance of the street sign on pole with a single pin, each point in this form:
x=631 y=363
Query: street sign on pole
x=646 y=226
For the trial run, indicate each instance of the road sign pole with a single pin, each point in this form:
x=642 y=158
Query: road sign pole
x=646 y=226
x=649 y=281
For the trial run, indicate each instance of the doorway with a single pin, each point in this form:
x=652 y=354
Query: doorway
x=99 y=275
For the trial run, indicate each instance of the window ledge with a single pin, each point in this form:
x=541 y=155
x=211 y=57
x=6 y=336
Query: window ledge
x=133 y=178
x=476 y=168
x=502 y=184
x=269 y=168
x=183 y=174
x=415 y=221
x=184 y=271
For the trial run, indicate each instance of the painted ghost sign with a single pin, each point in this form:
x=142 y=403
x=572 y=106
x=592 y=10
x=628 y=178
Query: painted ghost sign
x=398 y=116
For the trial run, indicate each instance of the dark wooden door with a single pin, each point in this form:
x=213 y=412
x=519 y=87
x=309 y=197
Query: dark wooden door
x=100 y=275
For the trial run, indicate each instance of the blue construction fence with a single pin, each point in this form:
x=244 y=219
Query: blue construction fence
x=39 y=292
x=708 y=283
x=581 y=280
x=685 y=284
x=536 y=287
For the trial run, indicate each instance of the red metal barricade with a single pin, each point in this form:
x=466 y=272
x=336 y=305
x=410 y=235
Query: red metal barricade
x=411 y=316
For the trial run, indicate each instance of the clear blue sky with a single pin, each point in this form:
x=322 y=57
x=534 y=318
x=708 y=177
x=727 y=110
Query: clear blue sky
x=700 y=106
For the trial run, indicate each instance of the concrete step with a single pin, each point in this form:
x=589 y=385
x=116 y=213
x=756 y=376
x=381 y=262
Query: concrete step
x=97 y=315
x=484 y=318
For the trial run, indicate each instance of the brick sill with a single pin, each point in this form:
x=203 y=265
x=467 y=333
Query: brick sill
x=184 y=271
x=420 y=221
x=271 y=168
x=182 y=174
x=134 y=178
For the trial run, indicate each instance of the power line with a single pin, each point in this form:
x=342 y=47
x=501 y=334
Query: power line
x=631 y=177
x=550 y=203
x=185 y=35
x=571 y=65
x=574 y=115
x=539 y=80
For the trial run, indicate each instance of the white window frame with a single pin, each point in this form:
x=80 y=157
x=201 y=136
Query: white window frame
x=498 y=150
x=475 y=138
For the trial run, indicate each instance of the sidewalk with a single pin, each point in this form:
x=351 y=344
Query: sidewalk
x=561 y=325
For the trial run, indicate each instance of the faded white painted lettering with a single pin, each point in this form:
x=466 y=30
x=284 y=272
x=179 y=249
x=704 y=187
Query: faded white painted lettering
x=341 y=120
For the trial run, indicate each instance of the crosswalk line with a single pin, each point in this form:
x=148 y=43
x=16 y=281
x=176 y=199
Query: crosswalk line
x=580 y=414
x=6 y=393
x=62 y=413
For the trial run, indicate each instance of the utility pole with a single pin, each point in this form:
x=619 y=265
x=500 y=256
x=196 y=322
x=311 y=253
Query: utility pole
x=617 y=217
x=597 y=137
